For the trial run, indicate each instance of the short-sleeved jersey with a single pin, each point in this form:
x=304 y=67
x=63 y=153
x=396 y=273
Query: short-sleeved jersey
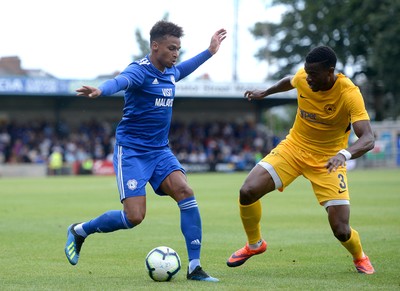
x=323 y=119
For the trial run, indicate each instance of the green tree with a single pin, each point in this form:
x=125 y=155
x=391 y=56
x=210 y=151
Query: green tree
x=364 y=33
x=143 y=44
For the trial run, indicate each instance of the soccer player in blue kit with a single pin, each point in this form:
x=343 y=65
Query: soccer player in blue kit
x=141 y=153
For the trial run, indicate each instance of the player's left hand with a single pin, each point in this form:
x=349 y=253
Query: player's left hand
x=335 y=162
x=216 y=40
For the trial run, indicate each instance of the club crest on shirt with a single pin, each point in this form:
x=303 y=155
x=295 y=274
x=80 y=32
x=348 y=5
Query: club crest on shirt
x=132 y=184
x=330 y=108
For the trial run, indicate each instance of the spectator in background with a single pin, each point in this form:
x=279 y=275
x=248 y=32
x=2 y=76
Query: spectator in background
x=55 y=163
x=5 y=143
x=210 y=142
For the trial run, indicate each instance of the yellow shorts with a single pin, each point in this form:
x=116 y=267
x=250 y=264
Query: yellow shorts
x=286 y=162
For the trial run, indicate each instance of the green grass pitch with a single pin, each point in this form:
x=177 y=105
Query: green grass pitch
x=302 y=252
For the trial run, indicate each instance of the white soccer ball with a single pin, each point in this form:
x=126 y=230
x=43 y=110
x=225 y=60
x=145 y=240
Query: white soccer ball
x=162 y=263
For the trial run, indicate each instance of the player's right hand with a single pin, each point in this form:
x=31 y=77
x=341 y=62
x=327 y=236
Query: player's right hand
x=91 y=92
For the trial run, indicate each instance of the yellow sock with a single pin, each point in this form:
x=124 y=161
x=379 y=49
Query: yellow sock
x=251 y=216
x=353 y=245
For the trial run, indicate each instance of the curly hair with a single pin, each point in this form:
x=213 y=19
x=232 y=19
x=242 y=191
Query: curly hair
x=163 y=29
x=322 y=54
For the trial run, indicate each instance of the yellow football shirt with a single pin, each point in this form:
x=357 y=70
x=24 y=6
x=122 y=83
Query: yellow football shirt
x=322 y=123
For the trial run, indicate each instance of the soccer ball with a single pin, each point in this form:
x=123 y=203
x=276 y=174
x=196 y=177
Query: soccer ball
x=162 y=263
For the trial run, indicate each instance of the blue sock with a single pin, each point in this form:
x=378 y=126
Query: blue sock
x=191 y=227
x=107 y=222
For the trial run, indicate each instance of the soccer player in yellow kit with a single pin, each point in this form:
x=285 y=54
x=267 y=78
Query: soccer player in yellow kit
x=329 y=105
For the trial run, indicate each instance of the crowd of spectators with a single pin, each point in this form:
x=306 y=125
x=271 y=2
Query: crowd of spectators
x=209 y=142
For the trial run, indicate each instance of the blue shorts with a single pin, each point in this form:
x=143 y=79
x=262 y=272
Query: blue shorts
x=134 y=168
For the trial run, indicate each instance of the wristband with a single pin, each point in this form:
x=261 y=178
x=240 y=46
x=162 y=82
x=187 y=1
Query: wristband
x=345 y=153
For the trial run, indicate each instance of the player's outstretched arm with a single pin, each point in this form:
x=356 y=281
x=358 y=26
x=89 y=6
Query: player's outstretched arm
x=281 y=86
x=216 y=40
x=91 y=92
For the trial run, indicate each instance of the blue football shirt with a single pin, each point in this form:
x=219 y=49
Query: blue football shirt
x=149 y=97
